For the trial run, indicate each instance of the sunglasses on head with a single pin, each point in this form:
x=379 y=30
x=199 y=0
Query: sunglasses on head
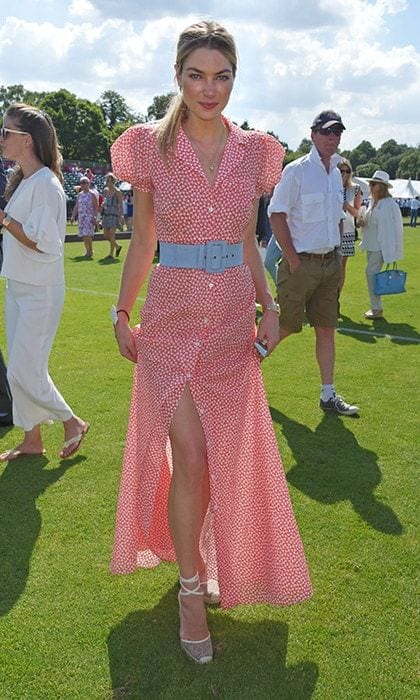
x=336 y=130
x=4 y=131
x=345 y=170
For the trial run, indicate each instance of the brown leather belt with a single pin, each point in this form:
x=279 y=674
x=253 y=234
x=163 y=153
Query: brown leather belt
x=318 y=256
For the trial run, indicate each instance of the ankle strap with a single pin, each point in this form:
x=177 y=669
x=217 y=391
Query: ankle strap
x=190 y=591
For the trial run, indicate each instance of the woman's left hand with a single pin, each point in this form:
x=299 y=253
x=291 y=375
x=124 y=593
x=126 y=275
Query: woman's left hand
x=268 y=331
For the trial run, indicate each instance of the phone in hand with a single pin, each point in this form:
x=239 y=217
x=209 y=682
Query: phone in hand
x=261 y=348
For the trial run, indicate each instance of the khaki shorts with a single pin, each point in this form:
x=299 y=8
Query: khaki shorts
x=312 y=289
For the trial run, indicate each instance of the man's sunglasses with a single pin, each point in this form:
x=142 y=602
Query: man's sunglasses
x=336 y=130
x=4 y=132
x=345 y=170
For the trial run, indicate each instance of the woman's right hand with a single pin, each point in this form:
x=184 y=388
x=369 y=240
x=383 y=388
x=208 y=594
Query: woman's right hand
x=126 y=340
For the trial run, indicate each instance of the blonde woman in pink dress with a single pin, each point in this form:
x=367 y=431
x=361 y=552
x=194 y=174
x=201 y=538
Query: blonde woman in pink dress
x=202 y=479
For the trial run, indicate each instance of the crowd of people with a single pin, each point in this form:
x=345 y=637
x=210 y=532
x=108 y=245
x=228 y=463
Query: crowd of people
x=202 y=480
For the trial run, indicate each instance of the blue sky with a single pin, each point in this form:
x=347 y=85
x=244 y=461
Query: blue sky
x=361 y=57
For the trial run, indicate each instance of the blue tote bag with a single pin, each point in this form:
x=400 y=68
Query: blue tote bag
x=390 y=281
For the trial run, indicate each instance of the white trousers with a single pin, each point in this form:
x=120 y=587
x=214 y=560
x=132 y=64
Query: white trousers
x=374 y=265
x=32 y=317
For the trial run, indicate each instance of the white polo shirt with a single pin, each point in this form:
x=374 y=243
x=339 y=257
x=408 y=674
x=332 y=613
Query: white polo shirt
x=312 y=199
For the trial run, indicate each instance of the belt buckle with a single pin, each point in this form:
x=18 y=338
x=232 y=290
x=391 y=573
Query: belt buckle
x=215 y=260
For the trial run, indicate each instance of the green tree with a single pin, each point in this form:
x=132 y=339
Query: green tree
x=304 y=146
x=159 y=106
x=367 y=169
x=363 y=153
x=389 y=156
x=80 y=125
x=115 y=109
x=409 y=165
x=18 y=93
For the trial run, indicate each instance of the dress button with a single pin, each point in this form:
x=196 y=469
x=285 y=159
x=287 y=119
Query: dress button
x=211 y=285
x=205 y=320
x=197 y=344
x=211 y=209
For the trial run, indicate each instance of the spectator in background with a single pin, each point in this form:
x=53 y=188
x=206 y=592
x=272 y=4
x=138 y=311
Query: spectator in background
x=86 y=209
x=5 y=395
x=382 y=237
x=351 y=205
x=414 y=209
x=130 y=206
x=34 y=221
x=112 y=214
x=306 y=212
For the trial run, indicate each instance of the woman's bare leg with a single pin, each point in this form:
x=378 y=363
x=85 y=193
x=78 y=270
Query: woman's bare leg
x=187 y=502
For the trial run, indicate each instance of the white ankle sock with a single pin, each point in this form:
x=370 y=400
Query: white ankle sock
x=327 y=392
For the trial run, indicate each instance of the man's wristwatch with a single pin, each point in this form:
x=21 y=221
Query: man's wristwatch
x=272 y=307
x=6 y=221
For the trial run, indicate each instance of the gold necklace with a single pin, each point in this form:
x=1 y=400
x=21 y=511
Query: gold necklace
x=211 y=161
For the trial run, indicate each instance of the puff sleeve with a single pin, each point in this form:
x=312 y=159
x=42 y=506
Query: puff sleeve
x=270 y=155
x=131 y=156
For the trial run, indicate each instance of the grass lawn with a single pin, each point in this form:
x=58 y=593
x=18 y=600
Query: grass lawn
x=69 y=630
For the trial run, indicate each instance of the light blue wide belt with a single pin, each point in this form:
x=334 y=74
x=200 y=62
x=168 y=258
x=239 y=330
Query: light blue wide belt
x=214 y=256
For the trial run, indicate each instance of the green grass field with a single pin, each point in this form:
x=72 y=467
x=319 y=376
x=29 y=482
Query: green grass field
x=69 y=630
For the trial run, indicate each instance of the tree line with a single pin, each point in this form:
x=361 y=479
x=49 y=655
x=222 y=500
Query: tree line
x=87 y=129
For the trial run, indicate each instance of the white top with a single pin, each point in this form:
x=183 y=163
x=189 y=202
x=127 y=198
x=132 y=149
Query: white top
x=39 y=204
x=383 y=230
x=312 y=199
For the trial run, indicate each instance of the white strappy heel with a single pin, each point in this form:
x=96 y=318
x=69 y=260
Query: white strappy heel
x=200 y=651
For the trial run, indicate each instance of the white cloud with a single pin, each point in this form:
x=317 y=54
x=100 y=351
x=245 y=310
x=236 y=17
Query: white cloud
x=296 y=58
x=82 y=8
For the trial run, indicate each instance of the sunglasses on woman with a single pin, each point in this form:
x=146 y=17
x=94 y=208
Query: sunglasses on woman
x=4 y=131
x=345 y=170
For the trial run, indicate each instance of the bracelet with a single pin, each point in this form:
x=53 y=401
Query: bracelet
x=123 y=311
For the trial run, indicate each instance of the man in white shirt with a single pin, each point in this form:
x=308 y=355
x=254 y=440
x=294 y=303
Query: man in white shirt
x=306 y=212
x=414 y=207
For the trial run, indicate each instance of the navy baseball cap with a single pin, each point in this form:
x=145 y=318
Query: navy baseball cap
x=327 y=118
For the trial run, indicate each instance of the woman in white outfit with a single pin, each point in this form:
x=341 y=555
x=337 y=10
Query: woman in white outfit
x=34 y=228
x=382 y=235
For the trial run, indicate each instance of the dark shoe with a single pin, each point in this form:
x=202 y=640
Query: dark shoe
x=336 y=404
x=118 y=250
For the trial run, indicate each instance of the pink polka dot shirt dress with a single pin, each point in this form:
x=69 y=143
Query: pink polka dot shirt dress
x=198 y=328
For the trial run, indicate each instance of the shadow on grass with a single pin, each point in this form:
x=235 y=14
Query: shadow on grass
x=369 y=332
x=331 y=467
x=21 y=483
x=146 y=661
x=107 y=260
x=82 y=258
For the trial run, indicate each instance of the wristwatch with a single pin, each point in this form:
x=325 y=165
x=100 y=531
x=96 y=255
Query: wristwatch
x=272 y=307
x=6 y=221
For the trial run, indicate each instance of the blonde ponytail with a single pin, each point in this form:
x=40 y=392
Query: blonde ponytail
x=168 y=127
